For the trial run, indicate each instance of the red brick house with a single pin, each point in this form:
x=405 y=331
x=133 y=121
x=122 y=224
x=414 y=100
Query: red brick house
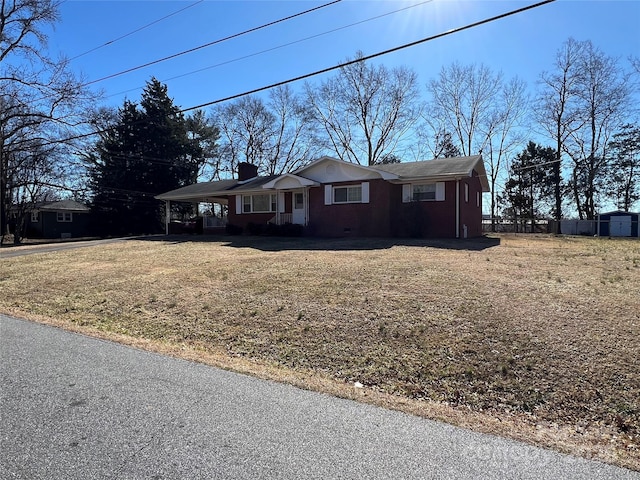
x=329 y=197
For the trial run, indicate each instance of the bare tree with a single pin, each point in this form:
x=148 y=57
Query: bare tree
x=40 y=102
x=502 y=134
x=463 y=97
x=601 y=98
x=484 y=114
x=583 y=101
x=245 y=127
x=292 y=137
x=558 y=114
x=365 y=111
x=274 y=135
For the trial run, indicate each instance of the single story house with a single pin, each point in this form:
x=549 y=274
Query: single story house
x=62 y=219
x=618 y=224
x=332 y=198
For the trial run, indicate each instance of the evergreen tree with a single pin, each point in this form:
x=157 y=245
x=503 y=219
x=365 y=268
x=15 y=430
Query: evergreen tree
x=529 y=191
x=445 y=148
x=147 y=152
x=623 y=167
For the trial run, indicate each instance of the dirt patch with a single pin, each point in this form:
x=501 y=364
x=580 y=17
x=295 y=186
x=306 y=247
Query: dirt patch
x=533 y=337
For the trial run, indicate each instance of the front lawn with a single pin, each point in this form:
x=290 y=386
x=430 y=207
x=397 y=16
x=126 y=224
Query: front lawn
x=535 y=337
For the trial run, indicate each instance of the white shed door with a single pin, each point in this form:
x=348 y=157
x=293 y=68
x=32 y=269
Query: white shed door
x=620 y=226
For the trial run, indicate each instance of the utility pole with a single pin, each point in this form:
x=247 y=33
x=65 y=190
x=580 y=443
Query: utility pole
x=3 y=189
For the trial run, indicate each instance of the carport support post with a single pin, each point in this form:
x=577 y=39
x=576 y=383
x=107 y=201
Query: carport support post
x=167 y=216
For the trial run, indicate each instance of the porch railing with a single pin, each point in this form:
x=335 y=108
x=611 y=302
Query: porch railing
x=281 y=219
x=213 y=222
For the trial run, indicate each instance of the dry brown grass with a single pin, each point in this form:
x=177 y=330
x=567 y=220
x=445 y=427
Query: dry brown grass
x=534 y=337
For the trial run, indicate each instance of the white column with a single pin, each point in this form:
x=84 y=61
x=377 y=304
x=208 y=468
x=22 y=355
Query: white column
x=167 y=216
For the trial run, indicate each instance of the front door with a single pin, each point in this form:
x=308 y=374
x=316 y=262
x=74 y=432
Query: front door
x=299 y=207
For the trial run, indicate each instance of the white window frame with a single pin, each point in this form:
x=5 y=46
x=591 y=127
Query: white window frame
x=35 y=217
x=64 y=217
x=408 y=192
x=466 y=193
x=352 y=196
x=433 y=189
x=248 y=201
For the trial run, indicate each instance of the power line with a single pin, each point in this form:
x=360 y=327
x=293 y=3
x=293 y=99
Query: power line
x=530 y=167
x=375 y=55
x=111 y=42
x=335 y=67
x=279 y=46
x=191 y=50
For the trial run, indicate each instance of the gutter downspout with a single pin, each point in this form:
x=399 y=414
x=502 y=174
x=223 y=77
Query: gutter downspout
x=457 y=208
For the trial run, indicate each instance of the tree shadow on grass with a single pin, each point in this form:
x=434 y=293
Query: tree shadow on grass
x=279 y=244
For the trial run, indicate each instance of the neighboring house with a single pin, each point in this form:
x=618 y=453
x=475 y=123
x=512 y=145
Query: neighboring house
x=63 y=219
x=618 y=224
x=332 y=198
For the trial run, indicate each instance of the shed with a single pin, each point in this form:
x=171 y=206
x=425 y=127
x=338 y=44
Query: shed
x=618 y=224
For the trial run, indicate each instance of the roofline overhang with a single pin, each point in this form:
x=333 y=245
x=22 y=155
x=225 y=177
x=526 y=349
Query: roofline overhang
x=439 y=178
x=189 y=198
x=383 y=174
x=304 y=182
x=72 y=210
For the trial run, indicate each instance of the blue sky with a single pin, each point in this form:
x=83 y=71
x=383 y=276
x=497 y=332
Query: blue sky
x=522 y=45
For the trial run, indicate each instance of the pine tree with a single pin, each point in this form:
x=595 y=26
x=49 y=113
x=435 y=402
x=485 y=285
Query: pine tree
x=623 y=167
x=529 y=191
x=147 y=152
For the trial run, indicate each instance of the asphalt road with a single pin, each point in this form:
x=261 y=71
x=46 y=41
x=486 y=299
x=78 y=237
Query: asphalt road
x=74 y=407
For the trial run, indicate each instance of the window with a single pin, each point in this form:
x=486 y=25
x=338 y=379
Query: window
x=261 y=203
x=298 y=202
x=466 y=193
x=65 y=216
x=34 y=217
x=425 y=191
x=348 y=194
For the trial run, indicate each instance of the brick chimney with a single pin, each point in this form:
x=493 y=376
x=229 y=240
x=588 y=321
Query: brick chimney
x=247 y=171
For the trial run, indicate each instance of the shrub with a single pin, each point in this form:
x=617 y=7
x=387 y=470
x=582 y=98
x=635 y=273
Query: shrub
x=233 y=229
x=255 y=228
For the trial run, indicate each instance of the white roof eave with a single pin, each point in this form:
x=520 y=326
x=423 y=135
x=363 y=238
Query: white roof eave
x=304 y=182
x=384 y=175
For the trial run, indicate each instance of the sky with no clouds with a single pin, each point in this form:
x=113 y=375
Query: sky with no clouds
x=105 y=38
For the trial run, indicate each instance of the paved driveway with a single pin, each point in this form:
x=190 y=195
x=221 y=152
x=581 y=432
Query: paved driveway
x=74 y=407
x=11 y=251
